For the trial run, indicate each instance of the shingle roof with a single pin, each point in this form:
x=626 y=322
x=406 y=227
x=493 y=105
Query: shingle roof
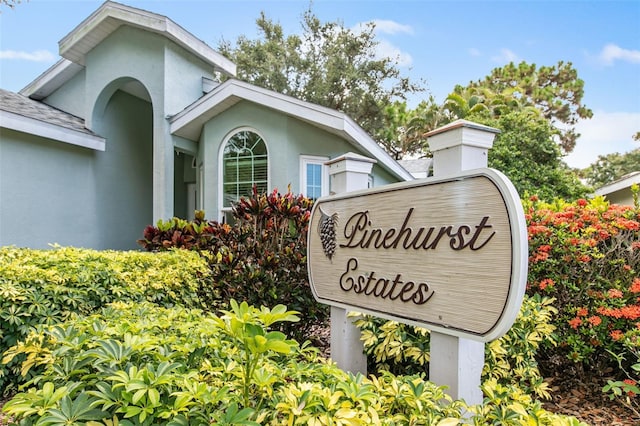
x=417 y=165
x=21 y=105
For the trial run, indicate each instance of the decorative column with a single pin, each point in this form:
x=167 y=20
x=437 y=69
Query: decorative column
x=347 y=173
x=457 y=362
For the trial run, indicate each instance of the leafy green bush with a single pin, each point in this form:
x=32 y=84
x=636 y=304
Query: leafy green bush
x=48 y=286
x=140 y=364
x=260 y=259
x=509 y=361
x=586 y=255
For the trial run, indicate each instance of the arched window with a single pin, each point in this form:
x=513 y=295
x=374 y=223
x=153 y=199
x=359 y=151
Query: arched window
x=244 y=164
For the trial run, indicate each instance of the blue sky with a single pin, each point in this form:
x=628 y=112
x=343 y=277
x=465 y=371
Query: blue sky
x=443 y=42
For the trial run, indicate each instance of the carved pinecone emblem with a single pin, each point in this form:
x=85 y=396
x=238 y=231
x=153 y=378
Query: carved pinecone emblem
x=327 y=228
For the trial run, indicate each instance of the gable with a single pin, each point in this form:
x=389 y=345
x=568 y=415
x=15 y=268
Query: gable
x=189 y=123
x=106 y=20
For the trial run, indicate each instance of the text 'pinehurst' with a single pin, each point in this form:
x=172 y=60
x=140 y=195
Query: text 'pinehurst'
x=360 y=233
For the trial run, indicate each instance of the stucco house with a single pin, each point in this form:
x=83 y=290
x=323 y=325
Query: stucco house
x=130 y=126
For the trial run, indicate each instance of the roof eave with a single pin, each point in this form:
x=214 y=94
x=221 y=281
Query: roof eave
x=20 y=123
x=620 y=184
x=50 y=80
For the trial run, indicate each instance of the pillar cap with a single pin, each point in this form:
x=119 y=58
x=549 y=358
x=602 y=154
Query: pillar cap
x=462 y=123
x=461 y=133
x=351 y=156
x=350 y=162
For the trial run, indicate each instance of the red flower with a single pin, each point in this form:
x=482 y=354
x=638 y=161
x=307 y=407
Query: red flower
x=584 y=258
x=616 y=335
x=631 y=225
x=582 y=202
x=614 y=293
x=575 y=323
x=595 y=320
x=538 y=229
x=635 y=286
x=539 y=257
x=630 y=382
x=547 y=282
x=582 y=312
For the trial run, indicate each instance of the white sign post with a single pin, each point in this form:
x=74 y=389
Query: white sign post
x=448 y=253
x=457 y=361
x=349 y=172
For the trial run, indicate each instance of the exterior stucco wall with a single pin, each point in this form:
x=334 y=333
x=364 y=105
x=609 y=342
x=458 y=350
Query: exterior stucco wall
x=623 y=197
x=71 y=97
x=286 y=138
x=47 y=190
x=183 y=78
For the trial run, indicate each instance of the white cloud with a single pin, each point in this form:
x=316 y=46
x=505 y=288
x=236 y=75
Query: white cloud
x=611 y=53
x=385 y=48
x=391 y=27
x=505 y=56
x=474 y=52
x=35 y=56
x=605 y=133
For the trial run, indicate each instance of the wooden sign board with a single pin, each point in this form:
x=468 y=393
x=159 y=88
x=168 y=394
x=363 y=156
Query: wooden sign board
x=449 y=254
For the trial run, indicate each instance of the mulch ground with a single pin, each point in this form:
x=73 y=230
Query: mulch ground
x=586 y=402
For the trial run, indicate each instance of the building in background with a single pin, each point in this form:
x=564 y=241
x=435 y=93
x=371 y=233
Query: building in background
x=619 y=191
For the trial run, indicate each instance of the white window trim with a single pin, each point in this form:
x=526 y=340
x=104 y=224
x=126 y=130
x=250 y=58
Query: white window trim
x=200 y=194
x=314 y=159
x=225 y=140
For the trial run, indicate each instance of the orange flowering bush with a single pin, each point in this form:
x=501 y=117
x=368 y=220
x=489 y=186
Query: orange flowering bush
x=586 y=255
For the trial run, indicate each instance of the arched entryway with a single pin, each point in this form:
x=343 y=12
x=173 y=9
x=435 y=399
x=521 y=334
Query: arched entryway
x=123 y=115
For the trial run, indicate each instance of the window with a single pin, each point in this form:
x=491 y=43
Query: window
x=314 y=176
x=244 y=164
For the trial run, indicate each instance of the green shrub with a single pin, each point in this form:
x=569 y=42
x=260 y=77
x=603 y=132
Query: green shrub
x=260 y=259
x=48 y=286
x=510 y=360
x=140 y=364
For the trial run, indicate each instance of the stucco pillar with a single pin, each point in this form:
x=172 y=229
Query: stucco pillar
x=163 y=158
x=457 y=362
x=349 y=172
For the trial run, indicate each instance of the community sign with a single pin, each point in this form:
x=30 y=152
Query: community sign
x=449 y=254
